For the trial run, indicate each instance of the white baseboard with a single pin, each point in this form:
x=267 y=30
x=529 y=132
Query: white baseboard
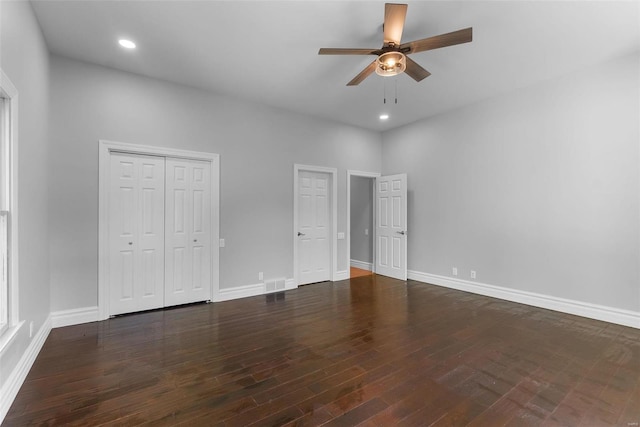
x=584 y=309
x=12 y=385
x=227 y=294
x=250 y=291
x=363 y=265
x=340 y=275
x=290 y=284
x=74 y=316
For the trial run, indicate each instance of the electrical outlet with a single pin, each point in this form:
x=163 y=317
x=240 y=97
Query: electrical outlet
x=473 y=274
x=261 y=276
x=366 y=231
x=454 y=271
x=222 y=243
x=340 y=235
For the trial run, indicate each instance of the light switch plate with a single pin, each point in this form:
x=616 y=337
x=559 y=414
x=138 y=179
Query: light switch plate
x=340 y=236
x=222 y=243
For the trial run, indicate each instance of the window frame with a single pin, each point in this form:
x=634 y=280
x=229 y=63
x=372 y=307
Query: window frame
x=8 y=203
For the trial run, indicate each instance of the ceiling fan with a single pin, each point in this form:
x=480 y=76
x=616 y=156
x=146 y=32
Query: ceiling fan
x=392 y=58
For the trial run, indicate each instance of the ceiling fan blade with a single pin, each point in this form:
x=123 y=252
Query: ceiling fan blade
x=345 y=51
x=415 y=71
x=363 y=74
x=394 y=16
x=436 y=42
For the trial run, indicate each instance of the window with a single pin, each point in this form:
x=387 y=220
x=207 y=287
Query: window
x=8 y=290
x=4 y=282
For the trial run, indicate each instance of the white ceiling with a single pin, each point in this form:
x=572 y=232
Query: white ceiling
x=266 y=51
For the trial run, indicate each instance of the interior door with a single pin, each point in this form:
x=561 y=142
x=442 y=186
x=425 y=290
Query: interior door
x=314 y=227
x=136 y=233
x=188 y=232
x=391 y=226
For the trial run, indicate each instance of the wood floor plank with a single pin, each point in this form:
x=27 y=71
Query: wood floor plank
x=370 y=351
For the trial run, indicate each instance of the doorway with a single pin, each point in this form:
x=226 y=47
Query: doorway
x=389 y=217
x=361 y=222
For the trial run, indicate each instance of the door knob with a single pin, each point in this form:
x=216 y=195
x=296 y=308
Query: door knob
x=301 y=234
x=401 y=232
x=131 y=243
x=195 y=240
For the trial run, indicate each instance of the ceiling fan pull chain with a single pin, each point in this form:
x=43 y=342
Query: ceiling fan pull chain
x=384 y=97
x=396 y=81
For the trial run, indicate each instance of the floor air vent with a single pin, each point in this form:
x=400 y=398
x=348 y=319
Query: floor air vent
x=274 y=285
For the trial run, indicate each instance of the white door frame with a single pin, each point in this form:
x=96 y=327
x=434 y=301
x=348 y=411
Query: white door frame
x=104 y=151
x=333 y=172
x=373 y=175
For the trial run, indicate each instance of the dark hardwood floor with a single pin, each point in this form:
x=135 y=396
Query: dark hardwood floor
x=358 y=272
x=368 y=351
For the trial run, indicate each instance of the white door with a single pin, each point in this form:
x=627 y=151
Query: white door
x=391 y=226
x=188 y=232
x=136 y=233
x=314 y=227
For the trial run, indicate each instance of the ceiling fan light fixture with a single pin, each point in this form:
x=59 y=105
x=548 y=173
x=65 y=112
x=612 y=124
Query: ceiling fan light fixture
x=391 y=64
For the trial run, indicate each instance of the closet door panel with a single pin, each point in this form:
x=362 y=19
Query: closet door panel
x=188 y=232
x=136 y=233
x=201 y=227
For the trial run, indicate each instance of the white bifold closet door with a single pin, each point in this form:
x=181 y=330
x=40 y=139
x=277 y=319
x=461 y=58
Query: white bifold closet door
x=136 y=233
x=159 y=232
x=187 y=231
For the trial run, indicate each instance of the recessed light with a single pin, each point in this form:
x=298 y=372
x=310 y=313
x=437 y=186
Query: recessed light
x=384 y=116
x=128 y=44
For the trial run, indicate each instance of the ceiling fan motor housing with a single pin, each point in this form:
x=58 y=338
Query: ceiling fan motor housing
x=391 y=63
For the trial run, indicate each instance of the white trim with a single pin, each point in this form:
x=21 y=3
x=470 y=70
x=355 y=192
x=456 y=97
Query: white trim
x=290 y=284
x=105 y=150
x=373 y=175
x=578 y=308
x=11 y=386
x=334 y=218
x=227 y=294
x=363 y=265
x=74 y=316
x=245 y=291
x=13 y=280
x=7 y=337
x=341 y=275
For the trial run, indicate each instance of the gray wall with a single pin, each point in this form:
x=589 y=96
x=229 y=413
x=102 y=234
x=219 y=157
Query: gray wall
x=24 y=59
x=536 y=190
x=258 y=147
x=361 y=218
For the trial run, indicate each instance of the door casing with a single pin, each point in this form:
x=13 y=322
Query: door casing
x=105 y=148
x=333 y=172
